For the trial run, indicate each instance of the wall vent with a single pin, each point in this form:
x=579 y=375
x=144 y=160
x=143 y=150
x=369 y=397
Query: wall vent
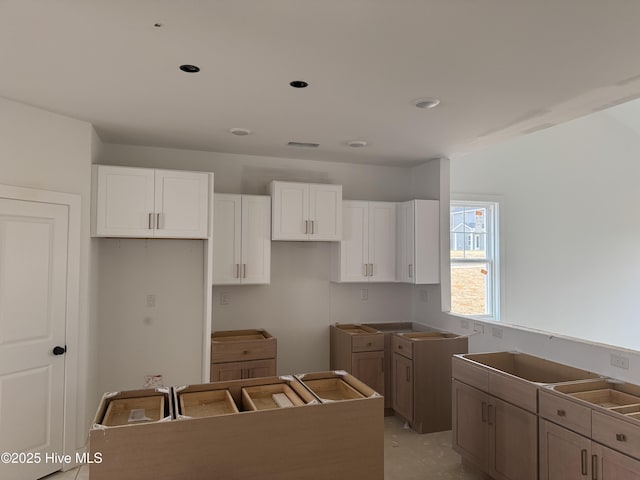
x=303 y=144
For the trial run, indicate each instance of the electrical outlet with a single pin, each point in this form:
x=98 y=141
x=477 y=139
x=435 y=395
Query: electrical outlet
x=620 y=361
x=151 y=300
x=496 y=332
x=225 y=298
x=478 y=327
x=364 y=294
x=464 y=323
x=423 y=296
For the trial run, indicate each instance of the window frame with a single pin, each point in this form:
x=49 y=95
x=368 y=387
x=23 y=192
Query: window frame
x=492 y=258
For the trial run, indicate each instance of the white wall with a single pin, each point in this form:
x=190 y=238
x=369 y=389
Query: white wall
x=43 y=150
x=299 y=304
x=568 y=213
x=500 y=170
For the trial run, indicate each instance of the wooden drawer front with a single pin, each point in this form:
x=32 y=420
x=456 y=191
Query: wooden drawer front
x=470 y=373
x=367 y=343
x=617 y=434
x=513 y=390
x=239 y=351
x=402 y=346
x=565 y=412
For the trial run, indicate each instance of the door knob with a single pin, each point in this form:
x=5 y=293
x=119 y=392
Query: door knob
x=57 y=350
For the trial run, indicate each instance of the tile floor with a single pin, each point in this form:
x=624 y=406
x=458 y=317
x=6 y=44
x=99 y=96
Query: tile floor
x=407 y=456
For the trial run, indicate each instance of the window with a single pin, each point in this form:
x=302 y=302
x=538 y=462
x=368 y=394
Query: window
x=474 y=259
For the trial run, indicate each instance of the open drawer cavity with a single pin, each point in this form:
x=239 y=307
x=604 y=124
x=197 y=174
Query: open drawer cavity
x=617 y=397
x=207 y=403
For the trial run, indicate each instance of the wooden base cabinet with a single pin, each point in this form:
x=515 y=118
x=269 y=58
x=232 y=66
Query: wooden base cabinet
x=241 y=354
x=360 y=351
x=495 y=436
x=565 y=455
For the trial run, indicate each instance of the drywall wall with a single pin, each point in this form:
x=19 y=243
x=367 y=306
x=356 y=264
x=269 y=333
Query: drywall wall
x=157 y=335
x=498 y=336
x=299 y=304
x=42 y=150
x=569 y=201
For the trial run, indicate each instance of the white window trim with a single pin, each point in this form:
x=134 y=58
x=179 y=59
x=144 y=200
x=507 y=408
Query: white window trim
x=498 y=259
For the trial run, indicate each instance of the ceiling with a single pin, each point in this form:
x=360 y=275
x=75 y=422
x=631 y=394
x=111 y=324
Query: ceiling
x=500 y=68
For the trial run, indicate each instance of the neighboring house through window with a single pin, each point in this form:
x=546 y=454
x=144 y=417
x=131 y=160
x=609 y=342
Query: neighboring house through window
x=474 y=259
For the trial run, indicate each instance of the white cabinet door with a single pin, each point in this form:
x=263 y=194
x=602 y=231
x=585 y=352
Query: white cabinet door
x=227 y=231
x=405 y=258
x=382 y=242
x=353 y=252
x=418 y=248
x=325 y=212
x=256 y=239
x=181 y=204
x=290 y=211
x=124 y=199
x=427 y=241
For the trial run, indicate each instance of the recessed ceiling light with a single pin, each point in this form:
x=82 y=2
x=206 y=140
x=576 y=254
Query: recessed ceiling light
x=299 y=84
x=357 y=143
x=189 y=68
x=427 y=102
x=241 y=132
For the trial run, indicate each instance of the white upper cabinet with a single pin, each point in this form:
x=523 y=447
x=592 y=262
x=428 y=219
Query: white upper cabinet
x=144 y=202
x=367 y=252
x=304 y=211
x=241 y=239
x=418 y=242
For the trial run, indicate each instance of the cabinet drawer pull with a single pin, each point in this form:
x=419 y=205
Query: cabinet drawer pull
x=245 y=352
x=484 y=412
x=369 y=344
x=151 y=221
x=158 y=221
x=621 y=437
x=371 y=273
x=399 y=347
x=306 y=226
x=583 y=461
x=313 y=226
x=244 y=270
x=594 y=467
x=237 y=270
x=562 y=413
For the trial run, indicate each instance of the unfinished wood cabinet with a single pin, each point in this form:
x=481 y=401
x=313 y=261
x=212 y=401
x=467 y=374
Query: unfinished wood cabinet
x=595 y=425
x=422 y=377
x=359 y=350
x=495 y=436
x=342 y=438
x=241 y=354
x=495 y=410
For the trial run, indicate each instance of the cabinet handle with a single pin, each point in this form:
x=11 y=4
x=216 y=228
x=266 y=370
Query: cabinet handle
x=237 y=270
x=158 y=221
x=484 y=412
x=244 y=270
x=621 y=437
x=410 y=271
x=594 y=467
x=583 y=461
x=313 y=227
x=151 y=221
x=561 y=413
x=408 y=374
x=366 y=269
x=370 y=271
x=491 y=409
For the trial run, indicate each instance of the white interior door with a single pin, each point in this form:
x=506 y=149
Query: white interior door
x=33 y=283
